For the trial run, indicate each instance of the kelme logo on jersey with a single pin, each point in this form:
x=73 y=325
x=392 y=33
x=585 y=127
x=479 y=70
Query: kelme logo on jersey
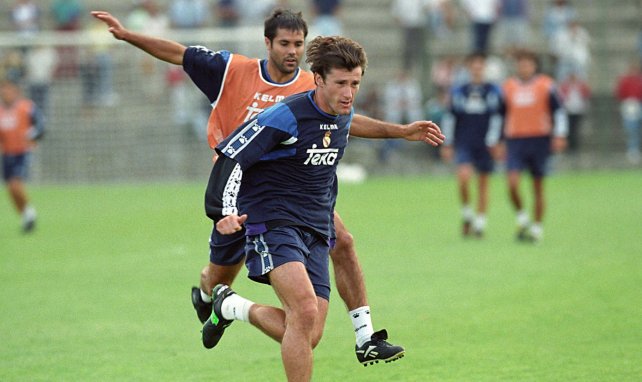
x=321 y=157
x=268 y=97
x=329 y=126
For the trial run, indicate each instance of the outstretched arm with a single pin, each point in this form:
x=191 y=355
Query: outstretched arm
x=166 y=50
x=366 y=127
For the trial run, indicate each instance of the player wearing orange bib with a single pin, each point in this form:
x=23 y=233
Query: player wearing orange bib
x=20 y=125
x=238 y=88
x=251 y=93
x=535 y=125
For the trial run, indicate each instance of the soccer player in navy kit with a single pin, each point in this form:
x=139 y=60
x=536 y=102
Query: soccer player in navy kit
x=288 y=155
x=473 y=128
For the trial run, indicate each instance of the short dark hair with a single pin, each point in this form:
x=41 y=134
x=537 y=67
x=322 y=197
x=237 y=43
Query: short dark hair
x=284 y=19
x=326 y=53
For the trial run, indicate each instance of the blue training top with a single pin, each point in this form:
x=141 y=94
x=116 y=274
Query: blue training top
x=472 y=107
x=289 y=155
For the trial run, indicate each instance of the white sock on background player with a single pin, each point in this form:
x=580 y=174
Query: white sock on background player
x=537 y=231
x=479 y=224
x=29 y=214
x=522 y=219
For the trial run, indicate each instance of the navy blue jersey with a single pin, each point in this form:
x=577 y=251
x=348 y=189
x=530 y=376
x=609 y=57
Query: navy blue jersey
x=472 y=108
x=289 y=154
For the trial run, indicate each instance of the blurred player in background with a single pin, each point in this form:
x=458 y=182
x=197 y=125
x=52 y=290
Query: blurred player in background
x=21 y=124
x=535 y=125
x=628 y=92
x=239 y=88
x=472 y=128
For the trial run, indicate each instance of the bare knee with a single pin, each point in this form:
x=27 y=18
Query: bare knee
x=345 y=239
x=17 y=192
x=303 y=316
x=464 y=173
x=513 y=180
x=306 y=312
x=344 y=246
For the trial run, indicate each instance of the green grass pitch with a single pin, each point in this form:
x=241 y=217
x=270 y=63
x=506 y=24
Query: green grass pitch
x=100 y=291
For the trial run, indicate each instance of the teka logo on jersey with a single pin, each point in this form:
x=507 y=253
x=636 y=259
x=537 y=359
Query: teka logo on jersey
x=321 y=157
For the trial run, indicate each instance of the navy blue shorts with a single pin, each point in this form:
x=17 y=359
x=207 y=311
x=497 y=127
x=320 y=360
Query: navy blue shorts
x=529 y=153
x=15 y=166
x=227 y=249
x=286 y=244
x=478 y=156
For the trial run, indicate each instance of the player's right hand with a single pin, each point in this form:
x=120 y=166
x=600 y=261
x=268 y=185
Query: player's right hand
x=114 y=26
x=231 y=224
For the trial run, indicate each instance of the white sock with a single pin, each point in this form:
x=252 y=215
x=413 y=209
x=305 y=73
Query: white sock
x=537 y=231
x=479 y=224
x=205 y=297
x=467 y=213
x=29 y=214
x=236 y=307
x=362 y=324
x=522 y=218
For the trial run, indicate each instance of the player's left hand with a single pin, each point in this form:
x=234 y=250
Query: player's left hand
x=426 y=131
x=558 y=145
x=230 y=224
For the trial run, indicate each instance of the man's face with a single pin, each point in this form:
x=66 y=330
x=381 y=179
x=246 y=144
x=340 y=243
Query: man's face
x=286 y=50
x=526 y=68
x=9 y=93
x=337 y=92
